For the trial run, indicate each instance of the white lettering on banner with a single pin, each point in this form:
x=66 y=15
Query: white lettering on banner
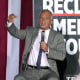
x=75 y=46
x=66 y=8
x=60 y=26
x=57 y=6
x=78 y=26
x=76 y=6
x=63 y=4
x=48 y=6
x=70 y=78
x=72 y=26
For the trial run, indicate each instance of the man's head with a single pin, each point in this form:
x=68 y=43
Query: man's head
x=45 y=19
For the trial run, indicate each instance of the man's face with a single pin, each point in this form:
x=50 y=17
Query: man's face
x=44 y=20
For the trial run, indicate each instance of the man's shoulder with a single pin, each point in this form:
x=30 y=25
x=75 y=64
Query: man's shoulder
x=56 y=32
x=32 y=28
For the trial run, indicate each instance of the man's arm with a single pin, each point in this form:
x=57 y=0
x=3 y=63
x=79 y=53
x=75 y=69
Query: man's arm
x=13 y=30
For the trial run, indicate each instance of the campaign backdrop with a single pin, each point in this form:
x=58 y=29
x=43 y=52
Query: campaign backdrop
x=66 y=20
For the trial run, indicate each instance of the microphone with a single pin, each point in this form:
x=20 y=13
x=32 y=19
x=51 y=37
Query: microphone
x=42 y=35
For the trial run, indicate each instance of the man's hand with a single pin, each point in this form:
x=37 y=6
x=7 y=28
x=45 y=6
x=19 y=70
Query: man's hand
x=44 y=46
x=11 y=18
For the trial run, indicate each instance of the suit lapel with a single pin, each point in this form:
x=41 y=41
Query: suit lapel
x=51 y=36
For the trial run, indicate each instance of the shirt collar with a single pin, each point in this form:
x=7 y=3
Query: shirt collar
x=45 y=30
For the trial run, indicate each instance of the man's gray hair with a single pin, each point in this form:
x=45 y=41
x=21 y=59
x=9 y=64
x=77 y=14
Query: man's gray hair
x=46 y=10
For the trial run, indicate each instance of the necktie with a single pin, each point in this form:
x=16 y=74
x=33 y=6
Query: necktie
x=40 y=51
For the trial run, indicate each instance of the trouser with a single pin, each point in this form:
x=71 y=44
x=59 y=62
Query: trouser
x=34 y=74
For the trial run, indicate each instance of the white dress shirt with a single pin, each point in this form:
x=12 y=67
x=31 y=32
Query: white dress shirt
x=35 y=50
x=9 y=24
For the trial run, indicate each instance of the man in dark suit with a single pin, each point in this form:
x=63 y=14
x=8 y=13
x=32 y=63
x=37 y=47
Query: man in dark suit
x=43 y=46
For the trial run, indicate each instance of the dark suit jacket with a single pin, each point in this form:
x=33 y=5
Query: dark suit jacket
x=55 y=43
